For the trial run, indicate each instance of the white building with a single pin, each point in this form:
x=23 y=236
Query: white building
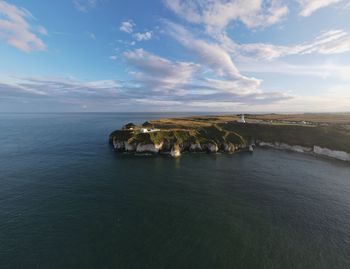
x=151 y=130
x=241 y=120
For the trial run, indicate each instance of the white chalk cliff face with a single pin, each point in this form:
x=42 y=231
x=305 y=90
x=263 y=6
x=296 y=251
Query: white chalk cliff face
x=195 y=147
x=212 y=147
x=339 y=155
x=154 y=148
x=285 y=146
x=229 y=147
x=118 y=145
x=175 y=151
x=129 y=147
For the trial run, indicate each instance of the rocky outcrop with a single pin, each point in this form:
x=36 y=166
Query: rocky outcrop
x=118 y=145
x=151 y=148
x=195 y=147
x=175 y=151
x=129 y=147
x=210 y=147
x=228 y=147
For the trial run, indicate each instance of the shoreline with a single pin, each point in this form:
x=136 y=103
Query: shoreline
x=315 y=150
x=231 y=134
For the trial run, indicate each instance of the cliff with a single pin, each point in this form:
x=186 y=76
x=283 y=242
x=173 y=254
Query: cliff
x=175 y=141
x=224 y=133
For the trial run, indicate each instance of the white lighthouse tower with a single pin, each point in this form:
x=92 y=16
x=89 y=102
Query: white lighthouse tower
x=242 y=120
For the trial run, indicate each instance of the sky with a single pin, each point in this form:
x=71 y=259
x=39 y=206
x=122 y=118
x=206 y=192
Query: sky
x=175 y=55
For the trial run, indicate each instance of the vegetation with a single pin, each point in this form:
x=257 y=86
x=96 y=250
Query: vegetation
x=334 y=137
x=211 y=134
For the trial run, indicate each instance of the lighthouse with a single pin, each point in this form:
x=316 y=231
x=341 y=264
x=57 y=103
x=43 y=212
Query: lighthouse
x=242 y=120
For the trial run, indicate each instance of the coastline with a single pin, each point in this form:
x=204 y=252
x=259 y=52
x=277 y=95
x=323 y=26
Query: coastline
x=315 y=150
x=231 y=134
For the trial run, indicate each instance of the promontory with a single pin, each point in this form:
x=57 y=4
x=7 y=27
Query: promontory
x=320 y=134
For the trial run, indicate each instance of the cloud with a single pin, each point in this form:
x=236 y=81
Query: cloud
x=160 y=84
x=157 y=73
x=327 y=43
x=66 y=94
x=16 y=30
x=310 y=6
x=143 y=36
x=91 y=35
x=127 y=26
x=85 y=5
x=185 y=83
x=218 y=14
x=42 y=30
x=215 y=58
x=323 y=70
x=62 y=89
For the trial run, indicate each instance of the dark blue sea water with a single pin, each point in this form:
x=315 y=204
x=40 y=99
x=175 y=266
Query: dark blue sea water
x=68 y=201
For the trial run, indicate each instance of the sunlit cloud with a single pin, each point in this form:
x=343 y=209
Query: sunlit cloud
x=143 y=36
x=127 y=26
x=327 y=43
x=310 y=6
x=85 y=5
x=18 y=31
x=218 y=14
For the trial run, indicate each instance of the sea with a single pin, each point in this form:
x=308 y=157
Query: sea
x=67 y=200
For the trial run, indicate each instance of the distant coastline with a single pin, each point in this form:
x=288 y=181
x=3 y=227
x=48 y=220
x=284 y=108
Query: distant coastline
x=320 y=134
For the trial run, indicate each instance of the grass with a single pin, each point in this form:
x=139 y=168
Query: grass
x=333 y=136
x=172 y=136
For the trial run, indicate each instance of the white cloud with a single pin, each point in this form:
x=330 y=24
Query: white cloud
x=218 y=14
x=42 y=30
x=113 y=57
x=127 y=26
x=215 y=58
x=330 y=42
x=323 y=71
x=185 y=83
x=85 y=5
x=143 y=36
x=91 y=35
x=310 y=6
x=160 y=84
x=157 y=73
x=16 y=30
x=62 y=88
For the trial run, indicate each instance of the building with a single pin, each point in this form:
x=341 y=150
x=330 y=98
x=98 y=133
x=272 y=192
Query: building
x=242 y=119
x=149 y=130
